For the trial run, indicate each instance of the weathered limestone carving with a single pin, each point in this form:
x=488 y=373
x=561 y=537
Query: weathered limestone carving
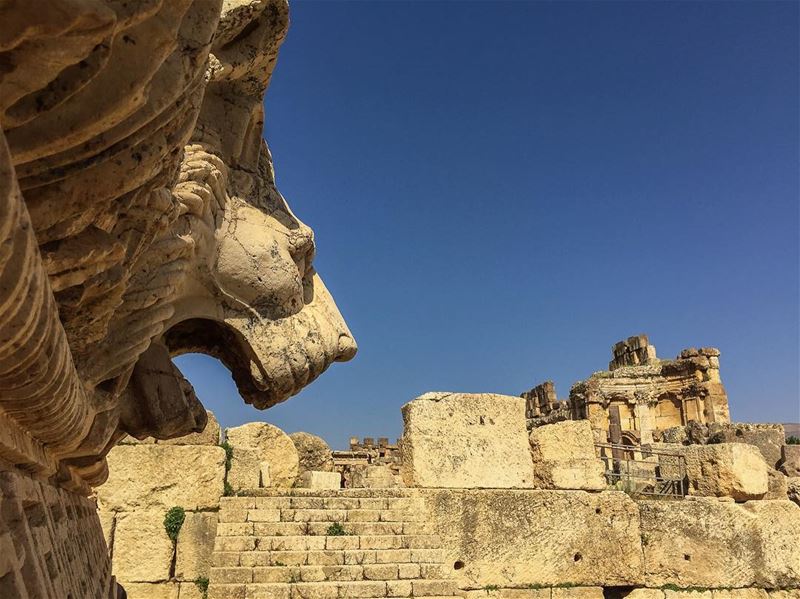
x=140 y=220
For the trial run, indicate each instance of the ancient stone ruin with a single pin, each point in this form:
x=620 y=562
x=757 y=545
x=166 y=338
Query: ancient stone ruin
x=139 y=219
x=639 y=395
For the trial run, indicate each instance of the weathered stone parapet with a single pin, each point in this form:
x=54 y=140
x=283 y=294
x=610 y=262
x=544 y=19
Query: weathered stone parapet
x=536 y=537
x=465 y=440
x=708 y=543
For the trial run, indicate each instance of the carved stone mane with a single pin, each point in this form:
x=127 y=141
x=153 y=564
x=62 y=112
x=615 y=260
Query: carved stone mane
x=139 y=219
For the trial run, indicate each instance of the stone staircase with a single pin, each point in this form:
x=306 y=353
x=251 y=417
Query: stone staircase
x=282 y=544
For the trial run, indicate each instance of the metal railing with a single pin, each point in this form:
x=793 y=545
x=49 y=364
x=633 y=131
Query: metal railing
x=643 y=471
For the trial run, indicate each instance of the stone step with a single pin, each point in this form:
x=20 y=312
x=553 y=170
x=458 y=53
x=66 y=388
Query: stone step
x=331 y=590
x=285 y=529
x=253 y=559
x=336 y=573
x=335 y=502
x=331 y=543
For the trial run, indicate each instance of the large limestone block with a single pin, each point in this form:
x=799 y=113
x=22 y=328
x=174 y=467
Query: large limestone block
x=587 y=475
x=195 y=546
x=162 y=476
x=142 y=549
x=767 y=437
x=312 y=479
x=645 y=594
x=149 y=590
x=564 y=457
x=733 y=470
x=372 y=476
x=790 y=460
x=705 y=542
x=313 y=452
x=466 y=440
x=245 y=472
x=209 y=436
x=275 y=446
x=537 y=537
x=567 y=440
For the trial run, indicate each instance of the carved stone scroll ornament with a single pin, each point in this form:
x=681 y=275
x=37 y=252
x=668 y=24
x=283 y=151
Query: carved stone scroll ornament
x=139 y=219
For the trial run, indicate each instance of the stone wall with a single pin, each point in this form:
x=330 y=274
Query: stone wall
x=147 y=479
x=528 y=539
x=51 y=542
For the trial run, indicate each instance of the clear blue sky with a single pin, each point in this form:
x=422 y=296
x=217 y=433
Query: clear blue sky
x=502 y=190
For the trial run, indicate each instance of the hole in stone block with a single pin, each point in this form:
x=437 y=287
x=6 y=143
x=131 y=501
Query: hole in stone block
x=458 y=565
x=597 y=510
x=577 y=557
x=687 y=557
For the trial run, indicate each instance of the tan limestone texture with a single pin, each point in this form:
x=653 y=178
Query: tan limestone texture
x=537 y=537
x=150 y=590
x=313 y=479
x=313 y=452
x=705 y=542
x=793 y=491
x=163 y=476
x=274 y=447
x=369 y=476
x=465 y=440
x=142 y=549
x=564 y=457
x=733 y=470
x=246 y=469
x=195 y=545
x=790 y=460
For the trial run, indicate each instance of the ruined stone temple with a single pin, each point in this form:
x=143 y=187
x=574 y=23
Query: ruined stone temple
x=139 y=220
x=639 y=394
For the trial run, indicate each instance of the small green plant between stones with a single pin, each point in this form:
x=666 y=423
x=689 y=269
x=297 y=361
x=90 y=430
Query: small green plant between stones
x=491 y=588
x=228 y=455
x=336 y=530
x=173 y=521
x=202 y=584
x=227 y=489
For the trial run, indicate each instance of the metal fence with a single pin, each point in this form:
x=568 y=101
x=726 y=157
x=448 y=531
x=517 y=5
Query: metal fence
x=643 y=471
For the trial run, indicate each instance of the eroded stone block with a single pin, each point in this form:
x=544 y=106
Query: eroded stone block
x=705 y=542
x=275 y=447
x=537 y=537
x=162 y=476
x=142 y=549
x=195 y=546
x=466 y=440
x=733 y=470
x=311 y=479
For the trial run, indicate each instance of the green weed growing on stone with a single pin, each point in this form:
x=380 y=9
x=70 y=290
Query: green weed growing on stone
x=336 y=530
x=173 y=521
x=202 y=584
